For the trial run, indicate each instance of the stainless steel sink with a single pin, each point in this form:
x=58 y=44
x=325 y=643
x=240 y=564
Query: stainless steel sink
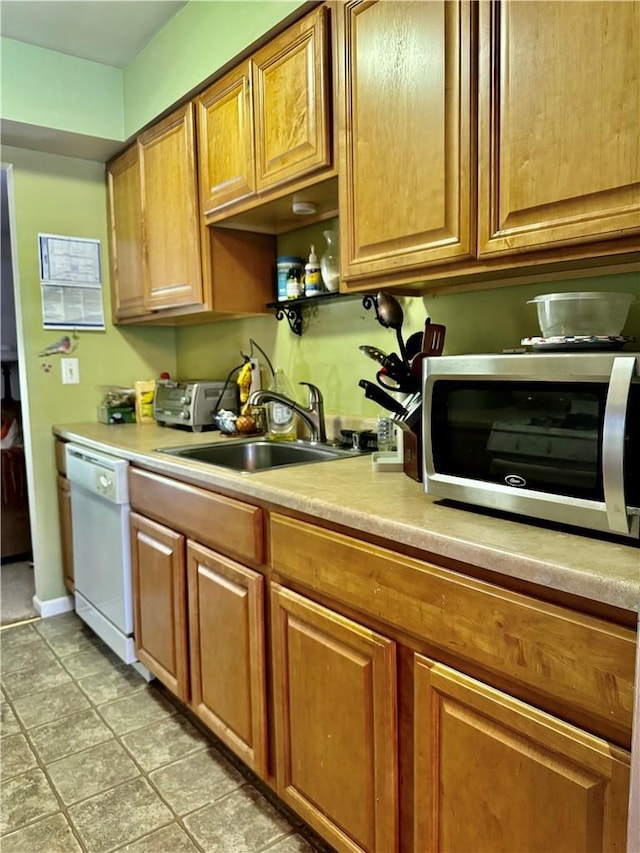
x=259 y=454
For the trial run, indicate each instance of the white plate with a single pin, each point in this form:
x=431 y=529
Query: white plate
x=577 y=342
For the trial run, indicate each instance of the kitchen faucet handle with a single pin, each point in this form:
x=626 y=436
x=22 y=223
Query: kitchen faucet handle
x=315 y=412
x=315 y=394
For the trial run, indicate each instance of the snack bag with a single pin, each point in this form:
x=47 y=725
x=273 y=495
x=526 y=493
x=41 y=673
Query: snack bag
x=145 y=390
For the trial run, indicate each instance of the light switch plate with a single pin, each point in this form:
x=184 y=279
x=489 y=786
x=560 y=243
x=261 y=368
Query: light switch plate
x=70 y=371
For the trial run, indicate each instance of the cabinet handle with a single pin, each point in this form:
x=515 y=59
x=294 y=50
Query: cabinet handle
x=169 y=307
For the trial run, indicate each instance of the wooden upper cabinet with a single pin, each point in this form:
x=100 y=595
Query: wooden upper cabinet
x=125 y=236
x=225 y=140
x=559 y=119
x=336 y=730
x=172 y=263
x=291 y=81
x=492 y=773
x=407 y=153
x=267 y=122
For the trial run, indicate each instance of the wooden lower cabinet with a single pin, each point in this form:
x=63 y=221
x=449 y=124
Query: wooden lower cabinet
x=335 y=722
x=200 y=620
x=492 y=773
x=517 y=742
x=480 y=771
x=227 y=650
x=159 y=597
x=66 y=532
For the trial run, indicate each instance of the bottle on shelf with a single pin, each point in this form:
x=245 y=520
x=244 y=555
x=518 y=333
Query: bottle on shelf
x=329 y=262
x=295 y=283
x=312 y=277
x=281 y=419
x=284 y=265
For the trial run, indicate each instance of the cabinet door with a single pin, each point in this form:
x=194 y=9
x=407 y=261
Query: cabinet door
x=226 y=625
x=559 y=119
x=125 y=236
x=159 y=602
x=172 y=264
x=406 y=187
x=66 y=532
x=336 y=732
x=225 y=141
x=494 y=774
x=291 y=102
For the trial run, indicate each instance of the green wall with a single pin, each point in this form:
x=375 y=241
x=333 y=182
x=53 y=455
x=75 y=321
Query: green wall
x=328 y=355
x=60 y=195
x=52 y=90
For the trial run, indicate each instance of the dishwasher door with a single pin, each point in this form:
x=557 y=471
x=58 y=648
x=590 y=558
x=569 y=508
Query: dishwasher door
x=101 y=546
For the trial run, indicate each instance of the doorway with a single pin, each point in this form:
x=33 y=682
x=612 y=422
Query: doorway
x=17 y=580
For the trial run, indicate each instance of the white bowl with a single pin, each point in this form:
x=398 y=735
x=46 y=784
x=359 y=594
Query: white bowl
x=588 y=313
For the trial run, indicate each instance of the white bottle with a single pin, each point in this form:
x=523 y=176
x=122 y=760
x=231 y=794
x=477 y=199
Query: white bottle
x=312 y=276
x=281 y=418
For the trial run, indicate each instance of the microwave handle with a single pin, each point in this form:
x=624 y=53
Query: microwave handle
x=613 y=443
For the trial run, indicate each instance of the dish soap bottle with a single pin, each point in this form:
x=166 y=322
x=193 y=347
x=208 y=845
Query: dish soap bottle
x=312 y=279
x=281 y=418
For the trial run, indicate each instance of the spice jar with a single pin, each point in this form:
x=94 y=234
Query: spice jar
x=295 y=283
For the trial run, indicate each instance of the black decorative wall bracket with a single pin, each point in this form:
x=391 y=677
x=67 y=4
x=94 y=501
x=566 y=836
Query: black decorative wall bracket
x=293 y=309
x=369 y=302
x=293 y=313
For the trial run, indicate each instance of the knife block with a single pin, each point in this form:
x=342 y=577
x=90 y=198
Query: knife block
x=412 y=456
x=411 y=431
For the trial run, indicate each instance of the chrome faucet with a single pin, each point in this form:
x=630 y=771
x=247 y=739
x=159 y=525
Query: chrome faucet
x=313 y=415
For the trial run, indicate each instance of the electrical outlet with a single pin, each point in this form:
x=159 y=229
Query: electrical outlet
x=70 y=371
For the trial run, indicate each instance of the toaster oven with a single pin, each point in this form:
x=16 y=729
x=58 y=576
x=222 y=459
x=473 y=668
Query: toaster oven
x=191 y=404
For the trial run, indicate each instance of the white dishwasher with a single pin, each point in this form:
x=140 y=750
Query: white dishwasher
x=101 y=550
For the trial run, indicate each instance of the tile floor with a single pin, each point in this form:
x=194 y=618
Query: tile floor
x=95 y=759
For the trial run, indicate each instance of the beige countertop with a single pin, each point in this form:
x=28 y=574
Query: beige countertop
x=390 y=505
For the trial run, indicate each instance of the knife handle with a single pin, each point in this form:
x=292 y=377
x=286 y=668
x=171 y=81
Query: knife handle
x=372 y=392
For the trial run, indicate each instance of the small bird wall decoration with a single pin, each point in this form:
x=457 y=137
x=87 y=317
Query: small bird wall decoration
x=63 y=346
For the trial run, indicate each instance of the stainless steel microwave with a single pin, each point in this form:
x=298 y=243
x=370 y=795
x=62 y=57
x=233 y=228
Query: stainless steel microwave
x=551 y=436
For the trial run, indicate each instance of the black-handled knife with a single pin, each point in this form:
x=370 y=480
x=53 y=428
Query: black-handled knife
x=396 y=370
x=373 y=392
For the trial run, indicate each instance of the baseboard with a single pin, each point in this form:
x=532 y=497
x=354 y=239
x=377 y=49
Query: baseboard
x=53 y=606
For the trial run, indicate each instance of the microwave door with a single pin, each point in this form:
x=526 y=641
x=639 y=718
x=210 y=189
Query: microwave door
x=614 y=429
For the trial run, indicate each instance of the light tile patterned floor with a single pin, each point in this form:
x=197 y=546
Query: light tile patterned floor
x=94 y=759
